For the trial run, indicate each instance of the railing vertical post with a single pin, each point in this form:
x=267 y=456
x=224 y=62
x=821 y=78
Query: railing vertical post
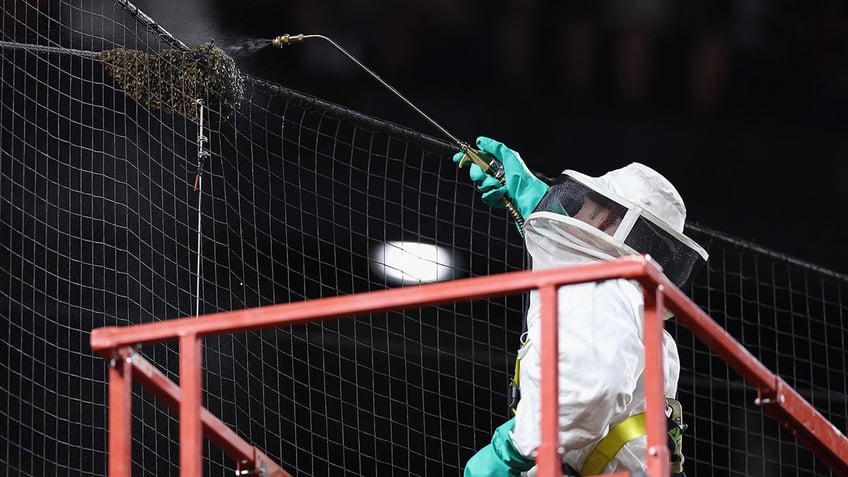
x=548 y=459
x=658 y=454
x=120 y=413
x=191 y=428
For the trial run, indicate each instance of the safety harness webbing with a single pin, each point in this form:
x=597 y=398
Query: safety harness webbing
x=629 y=429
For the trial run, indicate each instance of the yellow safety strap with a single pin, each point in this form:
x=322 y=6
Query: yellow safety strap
x=517 y=371
x=627 y=430
x=514 y=387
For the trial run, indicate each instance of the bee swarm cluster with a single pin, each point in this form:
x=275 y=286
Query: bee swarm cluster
x=173 y=80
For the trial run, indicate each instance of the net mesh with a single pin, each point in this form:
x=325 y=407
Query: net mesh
x=103 y=222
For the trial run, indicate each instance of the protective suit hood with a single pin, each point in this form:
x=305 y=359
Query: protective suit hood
x=642 y=212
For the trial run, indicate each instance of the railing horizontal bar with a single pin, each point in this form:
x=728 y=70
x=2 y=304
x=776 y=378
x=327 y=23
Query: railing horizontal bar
x=467 y=289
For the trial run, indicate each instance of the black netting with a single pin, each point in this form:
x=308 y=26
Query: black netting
x=102 y=222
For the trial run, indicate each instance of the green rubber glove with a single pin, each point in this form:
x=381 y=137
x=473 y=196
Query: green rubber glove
x=500 y=458
x=522 y=187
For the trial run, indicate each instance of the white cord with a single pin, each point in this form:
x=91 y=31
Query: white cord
x=202 y=154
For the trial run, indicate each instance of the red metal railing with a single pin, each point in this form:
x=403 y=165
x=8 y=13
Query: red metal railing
x=116 y=344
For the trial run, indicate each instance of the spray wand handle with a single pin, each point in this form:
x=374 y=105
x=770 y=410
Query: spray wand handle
x=492 y=166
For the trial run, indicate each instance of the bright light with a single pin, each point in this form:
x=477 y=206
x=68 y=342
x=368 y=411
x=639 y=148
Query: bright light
x=412 y=263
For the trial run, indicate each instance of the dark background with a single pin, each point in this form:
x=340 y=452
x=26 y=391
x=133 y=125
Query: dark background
x=740 y=103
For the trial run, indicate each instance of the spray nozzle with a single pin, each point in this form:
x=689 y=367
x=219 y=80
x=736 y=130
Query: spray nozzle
x=286 y=39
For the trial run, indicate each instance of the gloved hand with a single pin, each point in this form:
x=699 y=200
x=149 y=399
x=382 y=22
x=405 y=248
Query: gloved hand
x=522 y=187
x=500 y=458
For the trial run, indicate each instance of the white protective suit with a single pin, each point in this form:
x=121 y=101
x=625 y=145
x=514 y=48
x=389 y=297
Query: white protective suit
x=601 y=359
x=601 y=353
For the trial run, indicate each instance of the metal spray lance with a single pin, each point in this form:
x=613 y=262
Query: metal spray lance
x=483 y=159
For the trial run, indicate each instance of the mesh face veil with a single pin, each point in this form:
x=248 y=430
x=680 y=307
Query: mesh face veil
x=637 y=207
